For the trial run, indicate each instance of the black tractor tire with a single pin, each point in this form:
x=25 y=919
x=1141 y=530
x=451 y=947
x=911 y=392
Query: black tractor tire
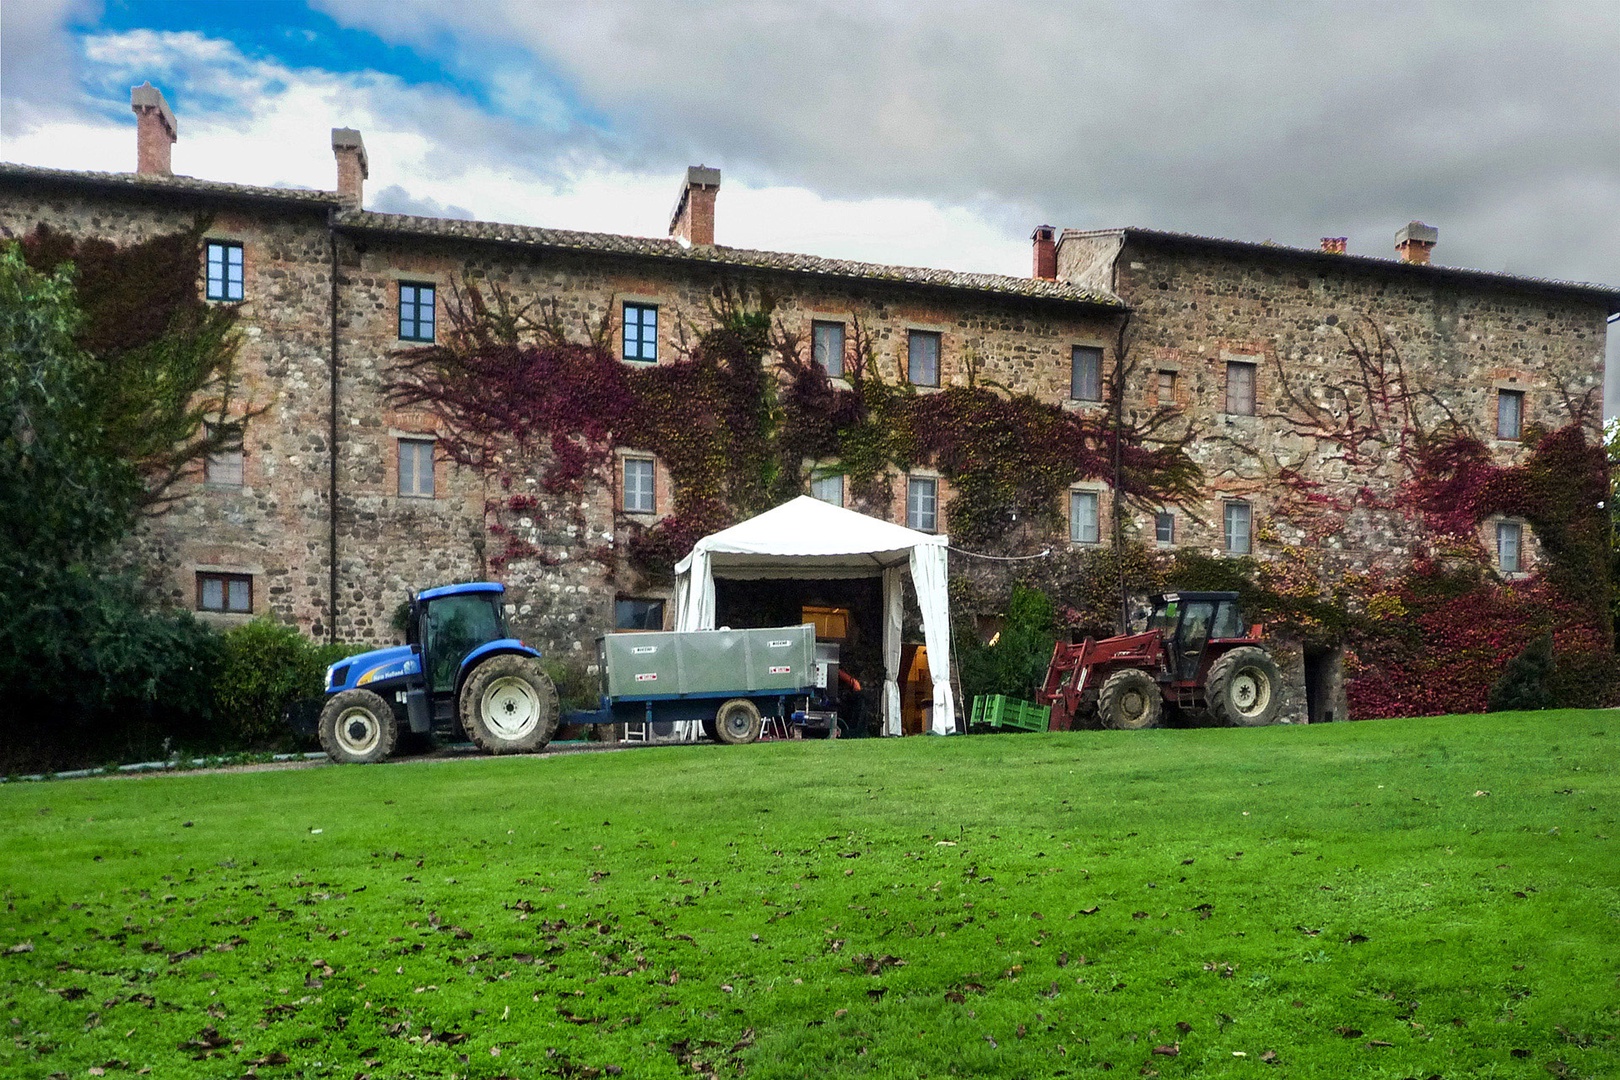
x=1244 y=688
x=509 y=705
x=738 y=722
x=358 y=728
x=1130 y=700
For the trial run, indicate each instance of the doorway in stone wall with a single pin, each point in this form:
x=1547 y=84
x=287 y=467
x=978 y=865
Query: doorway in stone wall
x=1321 y=685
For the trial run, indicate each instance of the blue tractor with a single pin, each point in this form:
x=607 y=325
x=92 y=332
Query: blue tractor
x=460 y=672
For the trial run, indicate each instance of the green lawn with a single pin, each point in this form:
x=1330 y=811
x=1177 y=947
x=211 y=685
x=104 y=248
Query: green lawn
x=1389 y=899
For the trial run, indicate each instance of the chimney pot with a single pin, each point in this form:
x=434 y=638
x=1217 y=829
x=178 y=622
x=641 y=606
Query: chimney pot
x=692 y=223
x=1335 y=245
x=1414 y=242
x=1045 y=242
x=155 y=131
x=352 y=166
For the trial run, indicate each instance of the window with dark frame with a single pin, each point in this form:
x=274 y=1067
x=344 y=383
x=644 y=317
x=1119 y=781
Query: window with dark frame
x=1164 y=527
x=922 y=503
x=229 y=593
x=1167 y=388
x=640 y=495
x=922 y=358
x=1085 y=373
x=416 y=312
x=1509 y=546
x=224 y=270
x=1083 y=517
x=829 y=489
x=416 y=468
x=1240 y=388
x=1510 y=414
x=633 y=614
x=641 y=333
x=223 y=468
x=827 y=344
x=1237 y=528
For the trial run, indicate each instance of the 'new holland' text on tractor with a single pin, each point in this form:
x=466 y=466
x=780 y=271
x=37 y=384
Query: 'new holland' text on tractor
x=1195 y=655
x=460 y=671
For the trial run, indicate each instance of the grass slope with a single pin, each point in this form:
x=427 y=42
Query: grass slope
x=1327 y=901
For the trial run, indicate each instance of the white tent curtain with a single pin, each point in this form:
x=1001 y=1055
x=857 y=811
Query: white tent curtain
x=893 y=598
x=929 y=574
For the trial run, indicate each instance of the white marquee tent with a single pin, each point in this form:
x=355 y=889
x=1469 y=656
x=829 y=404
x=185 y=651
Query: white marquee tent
x=807 y=538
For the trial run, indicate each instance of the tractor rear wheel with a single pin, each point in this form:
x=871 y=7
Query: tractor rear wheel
x=509 y=706
x=1130 y=700
x=1244 y=688
x=737 y=722
x=358 y=728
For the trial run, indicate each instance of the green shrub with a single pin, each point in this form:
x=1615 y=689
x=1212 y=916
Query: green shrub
x=1526 y=682
x=1015 y=661
x=265 y=667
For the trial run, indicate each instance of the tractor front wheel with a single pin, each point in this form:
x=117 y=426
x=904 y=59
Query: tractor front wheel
x=358 y=728
x=509 y=706
x=1130 y=700
x=738 y=722
x=1244 y=688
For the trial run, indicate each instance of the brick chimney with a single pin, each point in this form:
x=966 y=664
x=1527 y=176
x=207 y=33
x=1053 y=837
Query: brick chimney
x=1335 y=245
x=352 y=169
x=1414 y=242
x=1045 y=240
x=692 y=223
x=155 y=130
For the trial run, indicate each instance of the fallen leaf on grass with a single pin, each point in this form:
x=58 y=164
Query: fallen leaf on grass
x=1090 y=910
x=21 y=947
x=1183 y=1027
x=1349 y=1032
x=276 y=1058
x=1269 y=1056
x=1171 y=1050
x=954 y=996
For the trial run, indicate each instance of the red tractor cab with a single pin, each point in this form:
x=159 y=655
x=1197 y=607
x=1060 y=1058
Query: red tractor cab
x=1196 y=655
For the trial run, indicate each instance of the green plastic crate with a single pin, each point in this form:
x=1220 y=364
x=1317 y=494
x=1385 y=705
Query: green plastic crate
x=1003 y=712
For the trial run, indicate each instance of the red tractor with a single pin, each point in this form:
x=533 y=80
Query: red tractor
x=1195 y=655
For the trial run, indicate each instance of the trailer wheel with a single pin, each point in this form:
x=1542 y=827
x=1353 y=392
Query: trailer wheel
x=509 y=706
x=1244 y=688
x=737 y=722
x=1130 y=700
x=358 y=728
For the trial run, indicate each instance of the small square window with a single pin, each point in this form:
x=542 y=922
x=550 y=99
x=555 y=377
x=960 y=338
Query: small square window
x=639 y=494
x=922 y=503
x=223 y=468
x=1167 y=388
x=224 y=270
x=1237 y=528
x=225 y=592
x=416 y=468
x=1083 y=517
x=1240 y=388
x=922 y=358
x=1510 y=414
x=1085 y=373
x=1164 y=527
x=641 y=333
x=1509 y=546
x=416 y=313
x=829 y=489
x=827 y=342
x=631 y=614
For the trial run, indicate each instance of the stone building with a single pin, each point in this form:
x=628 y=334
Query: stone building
x=339 y=504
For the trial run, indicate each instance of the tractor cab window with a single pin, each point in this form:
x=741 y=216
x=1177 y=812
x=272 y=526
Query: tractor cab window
x=455 y=626
x=1196 y=620
x=1228 y=621
x=1164 y=617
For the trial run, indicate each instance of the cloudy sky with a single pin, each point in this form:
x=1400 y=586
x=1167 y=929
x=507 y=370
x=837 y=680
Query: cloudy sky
x=928 y=133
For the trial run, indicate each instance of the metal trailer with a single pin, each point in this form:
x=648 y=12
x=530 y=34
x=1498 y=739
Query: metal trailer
x=728 y=680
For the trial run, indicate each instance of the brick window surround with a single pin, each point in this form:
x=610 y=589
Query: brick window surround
x=827 y=344
x=231 y=593
x=640 y=485
x=922 y=503
x=1240 y=387
x=416 y=468
x=1085 y=373
x=224 y=280
x=1510 y=414
x=922 y=358
x=416 y=312
x=641 y=332
x=1238 y=523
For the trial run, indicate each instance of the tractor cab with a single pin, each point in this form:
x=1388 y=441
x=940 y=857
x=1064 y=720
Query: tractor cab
x=1189 y=621
x=449 y=624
